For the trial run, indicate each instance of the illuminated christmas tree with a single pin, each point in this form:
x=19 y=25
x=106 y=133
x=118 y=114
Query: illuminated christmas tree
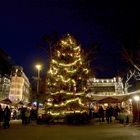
x=66 y=78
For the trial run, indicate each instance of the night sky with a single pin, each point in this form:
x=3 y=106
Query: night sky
x=109 y=24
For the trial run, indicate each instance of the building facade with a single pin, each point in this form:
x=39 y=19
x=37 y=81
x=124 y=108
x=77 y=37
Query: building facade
x=20 y=85
x=4 y=86
x=105 y=87
x=5 y=69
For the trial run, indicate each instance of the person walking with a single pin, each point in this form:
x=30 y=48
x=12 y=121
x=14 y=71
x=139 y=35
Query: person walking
x=23 y=118
x=6 y=117
x=117 y=110
x=27 y=116
x=109 y=114
x=101 y=114
x=1 y=115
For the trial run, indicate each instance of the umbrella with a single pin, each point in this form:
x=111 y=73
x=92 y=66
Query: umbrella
x=109 y=100
x=6 y=101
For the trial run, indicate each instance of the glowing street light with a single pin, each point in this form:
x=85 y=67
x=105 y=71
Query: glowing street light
x=38 y=67
x=136 y=98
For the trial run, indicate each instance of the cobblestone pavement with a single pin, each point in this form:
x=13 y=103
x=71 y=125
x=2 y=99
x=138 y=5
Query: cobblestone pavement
x=17 y=131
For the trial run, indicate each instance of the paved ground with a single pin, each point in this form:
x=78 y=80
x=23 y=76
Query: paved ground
x=17 y=131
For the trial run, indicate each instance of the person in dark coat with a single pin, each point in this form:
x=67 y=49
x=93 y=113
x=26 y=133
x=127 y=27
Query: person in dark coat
x=23 y=118
x=117 y=110
x=1 y=115
x=101 y=113
x=109 y=114
x=6 y=117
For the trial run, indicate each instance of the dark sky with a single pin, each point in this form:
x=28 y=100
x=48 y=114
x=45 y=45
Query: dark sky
x=108 y=23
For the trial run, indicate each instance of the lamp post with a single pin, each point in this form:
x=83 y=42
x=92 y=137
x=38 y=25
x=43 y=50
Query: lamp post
x=38 y=67
x=130 y=106
x=137 y=98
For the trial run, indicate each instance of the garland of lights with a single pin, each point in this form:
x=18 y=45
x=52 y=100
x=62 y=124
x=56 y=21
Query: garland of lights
x=65 y=65
x=65 y=112
x=67 y=69
x=67 y=93
x=66 y=102
x=54 y=71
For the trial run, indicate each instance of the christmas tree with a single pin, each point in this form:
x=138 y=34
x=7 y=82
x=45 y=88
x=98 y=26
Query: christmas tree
x=66 y=78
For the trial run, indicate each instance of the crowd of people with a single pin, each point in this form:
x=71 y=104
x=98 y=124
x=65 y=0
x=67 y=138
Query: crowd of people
x=5 y=116
x=108 y=113
x=111 y=113
x=25 y=114
x=28 y=115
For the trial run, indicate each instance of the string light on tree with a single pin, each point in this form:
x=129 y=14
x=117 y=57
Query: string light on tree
x=66 y=78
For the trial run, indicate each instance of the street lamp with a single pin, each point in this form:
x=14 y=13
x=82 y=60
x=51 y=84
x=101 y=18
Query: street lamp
x=137 y=98
x=38 y=67
x=130 y=105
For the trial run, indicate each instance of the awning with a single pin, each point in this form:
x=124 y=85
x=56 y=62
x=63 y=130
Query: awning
x=109 y=100
x=6 y=101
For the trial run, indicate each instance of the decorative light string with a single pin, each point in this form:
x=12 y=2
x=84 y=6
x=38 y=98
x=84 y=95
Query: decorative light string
x=65 y=65
x=65 y=112
x=66 y=102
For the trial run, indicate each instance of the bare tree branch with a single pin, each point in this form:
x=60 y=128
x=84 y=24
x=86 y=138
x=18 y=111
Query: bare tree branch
x=129 y=76
x=129 y=59
x=137 y=76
